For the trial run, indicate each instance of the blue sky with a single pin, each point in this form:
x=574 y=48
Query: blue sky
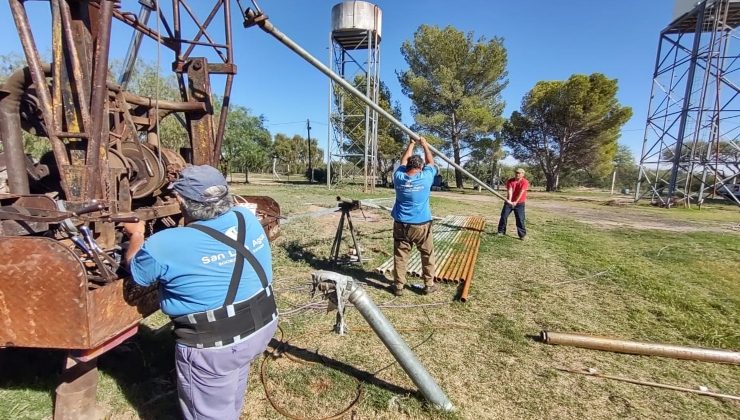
x=545 y=39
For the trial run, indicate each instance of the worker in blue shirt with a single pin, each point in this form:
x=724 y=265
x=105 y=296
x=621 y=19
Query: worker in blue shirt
x=214 y=277
x=412 y=216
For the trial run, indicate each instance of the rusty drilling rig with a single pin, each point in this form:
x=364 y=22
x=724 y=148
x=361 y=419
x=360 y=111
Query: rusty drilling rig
x=61 y=282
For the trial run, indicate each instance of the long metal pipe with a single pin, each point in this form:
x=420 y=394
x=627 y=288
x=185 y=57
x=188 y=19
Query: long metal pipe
x=398 y=348
x=268 y=27
x=11 y=133
x=133 y=49
x=635 y=347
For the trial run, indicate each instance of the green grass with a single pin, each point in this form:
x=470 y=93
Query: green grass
x=648 y=285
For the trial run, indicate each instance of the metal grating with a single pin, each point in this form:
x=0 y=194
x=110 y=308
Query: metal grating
x=456 y=243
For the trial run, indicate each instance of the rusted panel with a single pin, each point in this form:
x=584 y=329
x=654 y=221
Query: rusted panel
x=267 y=212
x=113 y=309
x=45 y=301
x=42 y=294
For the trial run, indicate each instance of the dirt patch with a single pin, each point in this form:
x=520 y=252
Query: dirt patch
x=604 y=214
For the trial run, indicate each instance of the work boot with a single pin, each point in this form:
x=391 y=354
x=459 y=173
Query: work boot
x=397 y=289
x=432 y=288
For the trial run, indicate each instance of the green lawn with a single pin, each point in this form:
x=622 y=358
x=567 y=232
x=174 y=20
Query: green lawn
x=649 y=285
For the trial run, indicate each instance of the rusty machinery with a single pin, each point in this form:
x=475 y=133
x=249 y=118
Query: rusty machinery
x=61 y=284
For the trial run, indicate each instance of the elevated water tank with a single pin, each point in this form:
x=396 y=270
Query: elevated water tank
x=684 y=6
x=353 y=21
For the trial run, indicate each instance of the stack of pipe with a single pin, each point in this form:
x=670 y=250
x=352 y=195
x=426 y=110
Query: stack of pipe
x=456 y=242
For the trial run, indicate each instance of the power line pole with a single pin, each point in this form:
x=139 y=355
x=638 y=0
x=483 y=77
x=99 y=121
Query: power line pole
x=310 y=165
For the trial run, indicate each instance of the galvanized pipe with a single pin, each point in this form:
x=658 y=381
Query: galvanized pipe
x=398 y=348
x=268 y=27
x=634 y=347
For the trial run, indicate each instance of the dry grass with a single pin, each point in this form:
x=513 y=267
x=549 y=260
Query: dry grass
x=650 y=285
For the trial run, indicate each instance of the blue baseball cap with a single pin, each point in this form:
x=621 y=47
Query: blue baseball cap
x=202 y=183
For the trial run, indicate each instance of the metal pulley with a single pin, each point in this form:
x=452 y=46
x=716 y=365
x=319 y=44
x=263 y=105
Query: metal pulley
x=146 y=169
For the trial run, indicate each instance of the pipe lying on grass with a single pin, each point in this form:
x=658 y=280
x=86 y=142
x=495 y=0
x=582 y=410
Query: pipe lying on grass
x=596 y=374
x=635 y=347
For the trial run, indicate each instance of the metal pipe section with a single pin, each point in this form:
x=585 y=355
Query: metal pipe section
x=268 y=27
x=398 y=348
x=11 y=133
x=133 y=49
x=634 y=347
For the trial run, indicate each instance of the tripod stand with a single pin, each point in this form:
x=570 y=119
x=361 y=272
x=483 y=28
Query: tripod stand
x=346 y=207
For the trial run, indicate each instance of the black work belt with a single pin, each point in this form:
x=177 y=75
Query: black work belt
x=231 y=322
x=228 y=324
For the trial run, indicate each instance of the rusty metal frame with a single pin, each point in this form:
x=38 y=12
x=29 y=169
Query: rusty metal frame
x=88 y=120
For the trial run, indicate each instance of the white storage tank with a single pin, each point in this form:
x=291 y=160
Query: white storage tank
x=353 y=21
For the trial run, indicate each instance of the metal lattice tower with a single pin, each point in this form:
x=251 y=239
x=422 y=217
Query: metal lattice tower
x=691 y=148
x=354 y=54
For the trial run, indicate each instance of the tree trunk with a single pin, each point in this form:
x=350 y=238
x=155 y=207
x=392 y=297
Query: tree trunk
x=456 y=157
x=551 y=182
x=246 y=175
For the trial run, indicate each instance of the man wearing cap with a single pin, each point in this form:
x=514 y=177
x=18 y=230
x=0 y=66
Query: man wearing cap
x=214 y=277
x=516 y=195
x=412 y=216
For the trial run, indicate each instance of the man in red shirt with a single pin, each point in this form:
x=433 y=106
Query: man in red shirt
x=516 y=189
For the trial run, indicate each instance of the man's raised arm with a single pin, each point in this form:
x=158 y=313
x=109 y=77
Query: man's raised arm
x=428 y=156
x=407 y=154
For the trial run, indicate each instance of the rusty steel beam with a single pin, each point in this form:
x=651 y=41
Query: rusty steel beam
x=57 y=44
x=202 y=31
x=97 y=147
x=38 y=75
x=635 y=347
x=201 y=124
x=132 y=20
x=74 y=95
x=174 y=106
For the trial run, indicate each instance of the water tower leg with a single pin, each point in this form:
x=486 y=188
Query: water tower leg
x=75 y=395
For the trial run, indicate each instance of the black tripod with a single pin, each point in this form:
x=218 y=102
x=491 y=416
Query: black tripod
x=346 y=206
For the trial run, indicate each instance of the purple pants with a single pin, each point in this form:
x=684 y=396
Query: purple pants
x=211 y=382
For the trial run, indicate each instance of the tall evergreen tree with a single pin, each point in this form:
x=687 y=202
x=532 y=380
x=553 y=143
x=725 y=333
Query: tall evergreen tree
x=455 y=83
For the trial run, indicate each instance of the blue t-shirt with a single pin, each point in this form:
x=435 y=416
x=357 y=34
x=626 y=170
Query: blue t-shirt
x=194 y=270
x=412 y=195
